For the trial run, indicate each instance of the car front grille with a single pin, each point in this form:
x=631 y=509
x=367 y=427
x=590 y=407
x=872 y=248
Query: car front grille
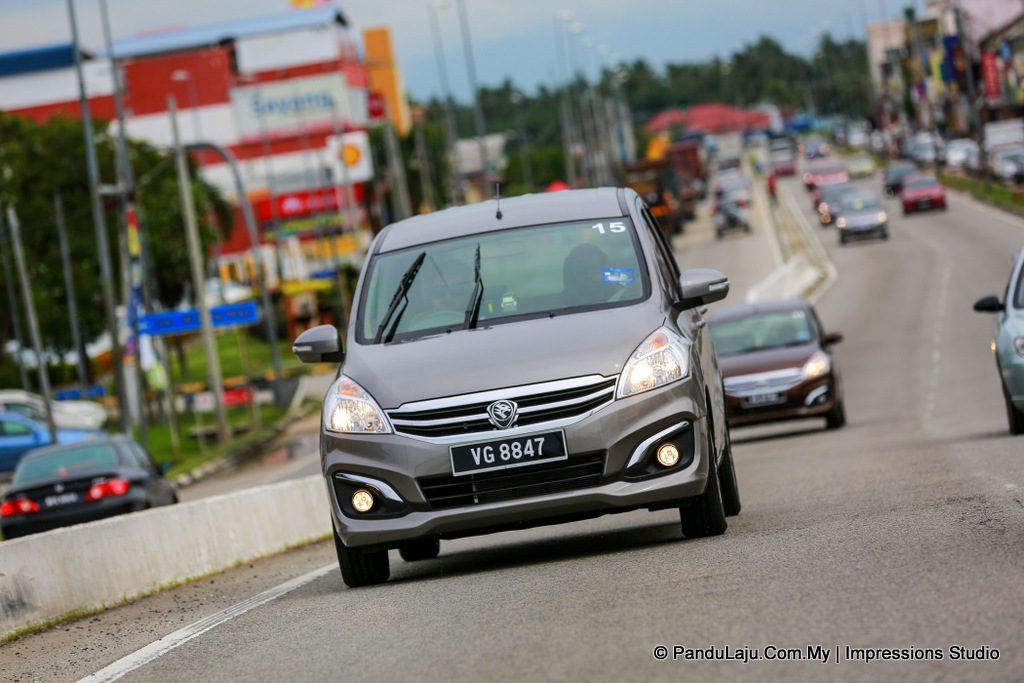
x=538 y=404
x=578 y=472
x=763 y=382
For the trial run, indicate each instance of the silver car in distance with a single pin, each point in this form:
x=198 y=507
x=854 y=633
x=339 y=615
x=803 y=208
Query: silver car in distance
x=538 y=362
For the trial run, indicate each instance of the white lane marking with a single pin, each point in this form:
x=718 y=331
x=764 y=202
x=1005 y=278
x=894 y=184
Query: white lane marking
x=159 y=648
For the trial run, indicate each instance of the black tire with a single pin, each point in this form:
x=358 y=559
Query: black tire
x=361 y=567
x=836 y=418
x=727 y=481
x=421 y=549
x=704 y=515
x=842 y=238
x=885 y=234
x=1013 y=416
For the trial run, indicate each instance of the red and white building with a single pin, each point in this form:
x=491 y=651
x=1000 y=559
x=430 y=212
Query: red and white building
x=286 y=94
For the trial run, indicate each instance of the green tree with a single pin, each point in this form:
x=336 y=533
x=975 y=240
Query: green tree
x=38 y=161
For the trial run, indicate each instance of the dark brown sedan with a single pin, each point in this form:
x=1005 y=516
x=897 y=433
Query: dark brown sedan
x=776 y=364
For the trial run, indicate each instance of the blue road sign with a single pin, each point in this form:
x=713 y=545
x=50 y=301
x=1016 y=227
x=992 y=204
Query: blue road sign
x=183 y=322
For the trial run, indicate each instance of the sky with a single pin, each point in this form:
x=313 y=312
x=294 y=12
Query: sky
x=512 y=39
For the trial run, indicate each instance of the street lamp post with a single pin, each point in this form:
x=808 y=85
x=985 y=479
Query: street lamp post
x=566 y=116
x=478 y=111
x=185 y=76
x=524 y=148
x=451 y=125
x=99 y=223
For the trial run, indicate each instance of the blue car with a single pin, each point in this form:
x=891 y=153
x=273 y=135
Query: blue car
x=1009 y=341
x=19 y=435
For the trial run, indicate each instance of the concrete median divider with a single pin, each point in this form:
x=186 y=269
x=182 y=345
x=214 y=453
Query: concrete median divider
x=81 y=569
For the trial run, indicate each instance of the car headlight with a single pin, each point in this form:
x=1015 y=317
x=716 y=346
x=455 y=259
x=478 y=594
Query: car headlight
x=840 y=222
x=1018 y=344
x=661 y=359
x=817 y=365
x=882 y=216
x=349 y=409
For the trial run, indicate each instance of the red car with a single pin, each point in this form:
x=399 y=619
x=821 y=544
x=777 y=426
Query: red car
x=922 y=191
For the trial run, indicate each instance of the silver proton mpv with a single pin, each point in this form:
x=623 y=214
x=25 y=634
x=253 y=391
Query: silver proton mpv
x=537 y=363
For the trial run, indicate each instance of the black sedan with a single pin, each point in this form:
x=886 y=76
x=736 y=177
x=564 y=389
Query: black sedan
x=894 y=175
x=81 y=482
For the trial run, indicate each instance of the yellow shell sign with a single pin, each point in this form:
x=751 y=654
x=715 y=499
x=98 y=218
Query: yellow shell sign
x=350 y=155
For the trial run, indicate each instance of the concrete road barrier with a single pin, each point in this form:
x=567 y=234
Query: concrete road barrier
x=93 y=566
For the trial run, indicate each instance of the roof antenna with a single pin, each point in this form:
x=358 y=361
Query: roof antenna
x=497 y=197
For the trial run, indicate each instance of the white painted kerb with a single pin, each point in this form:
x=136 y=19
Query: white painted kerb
x=97 y=565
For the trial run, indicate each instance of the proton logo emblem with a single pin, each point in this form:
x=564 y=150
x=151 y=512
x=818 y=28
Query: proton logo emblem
x=59 y=488
x=503 y=414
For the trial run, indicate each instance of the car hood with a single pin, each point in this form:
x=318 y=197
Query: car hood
x=766 y=361
x=511 y=354
x=862 y=217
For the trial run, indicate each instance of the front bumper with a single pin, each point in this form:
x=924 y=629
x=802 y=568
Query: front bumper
x=812 y=398
x=615 y=433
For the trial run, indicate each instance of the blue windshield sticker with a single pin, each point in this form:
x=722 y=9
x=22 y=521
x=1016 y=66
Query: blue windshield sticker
x=619 y=276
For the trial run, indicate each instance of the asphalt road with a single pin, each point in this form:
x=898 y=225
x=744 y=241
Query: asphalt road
x=905 y=529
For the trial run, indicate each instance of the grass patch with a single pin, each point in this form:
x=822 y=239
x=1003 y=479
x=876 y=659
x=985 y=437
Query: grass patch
x=1009 y=198
x=192 y=452
x=239 y=354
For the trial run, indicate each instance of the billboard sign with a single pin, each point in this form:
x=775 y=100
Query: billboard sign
x=352 y=149
x=281 y=106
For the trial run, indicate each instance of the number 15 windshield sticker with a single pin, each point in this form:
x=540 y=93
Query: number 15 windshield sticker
x=614 y=226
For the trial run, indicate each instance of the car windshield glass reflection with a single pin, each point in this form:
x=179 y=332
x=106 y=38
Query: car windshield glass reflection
x=861 y=203
x=761 y=332
x=65 y=463
x=524 y=272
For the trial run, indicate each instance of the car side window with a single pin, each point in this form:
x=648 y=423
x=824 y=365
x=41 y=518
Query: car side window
x=12 y=428
x=666 y=264
x=138 y=457
x=24 y=409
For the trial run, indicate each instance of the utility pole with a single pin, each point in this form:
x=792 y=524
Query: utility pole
x=423 y=159
x=33 y=323
x=451 y=126
x=196 y=266
x=524 y=147
x=69 y=285
x=567 y=137
x=12 y=305
x=972 y=96
x=478 y=110
x=100 y=225
x=401 y=206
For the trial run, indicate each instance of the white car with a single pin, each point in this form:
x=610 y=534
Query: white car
x=958 y=150
x=66 y=414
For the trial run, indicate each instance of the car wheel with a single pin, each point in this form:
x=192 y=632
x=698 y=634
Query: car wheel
x=1014 y=416
x=704 y=515
x=421 y=549
x=885 y=234
x=842 y=238
x=727 y=480
x=361 y=567
x=836 y=418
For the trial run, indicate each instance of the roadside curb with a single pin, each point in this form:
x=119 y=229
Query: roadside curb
x=808 y=272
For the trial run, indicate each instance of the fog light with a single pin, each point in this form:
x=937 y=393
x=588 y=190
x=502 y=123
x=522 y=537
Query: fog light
x=668 y=455
x=362 y=500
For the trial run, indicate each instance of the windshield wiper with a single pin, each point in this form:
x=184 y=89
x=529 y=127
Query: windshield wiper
x=473 y=309
x=401 y=293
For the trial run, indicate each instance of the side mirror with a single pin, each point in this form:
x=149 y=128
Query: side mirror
x=322 y=344
x=702 y=286
x=988 y=304
x=831 y=338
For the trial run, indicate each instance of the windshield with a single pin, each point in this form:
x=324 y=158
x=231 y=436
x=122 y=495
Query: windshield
x=524 y=273
x=832 y=193
x=65 y=463
x=923 y=181
x=900 y=169
x=761 y=332
x=861 y=203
